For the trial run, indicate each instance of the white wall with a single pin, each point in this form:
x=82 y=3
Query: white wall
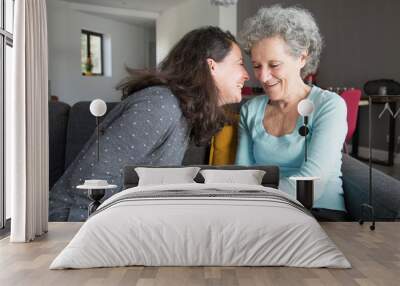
x=175 y=22
x=227 y=17
x=129 y=45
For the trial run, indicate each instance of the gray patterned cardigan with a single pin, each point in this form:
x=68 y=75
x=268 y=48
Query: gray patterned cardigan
x=147 y=128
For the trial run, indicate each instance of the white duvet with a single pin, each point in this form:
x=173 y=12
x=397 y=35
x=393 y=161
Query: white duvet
x=183 y=231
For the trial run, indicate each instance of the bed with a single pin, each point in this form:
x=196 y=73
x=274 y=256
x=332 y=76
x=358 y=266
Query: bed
x=201 y=224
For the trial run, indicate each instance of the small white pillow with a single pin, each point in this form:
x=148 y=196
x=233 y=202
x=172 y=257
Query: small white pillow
x=248 y=177
x=163 y=176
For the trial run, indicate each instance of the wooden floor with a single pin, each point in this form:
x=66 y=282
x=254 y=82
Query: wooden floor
x=374 y=255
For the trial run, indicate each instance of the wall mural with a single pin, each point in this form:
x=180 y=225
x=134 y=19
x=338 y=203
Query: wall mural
x=200 y=108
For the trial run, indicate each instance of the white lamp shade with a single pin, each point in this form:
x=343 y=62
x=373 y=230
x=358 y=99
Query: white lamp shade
x=305 y=107
x=98 y=107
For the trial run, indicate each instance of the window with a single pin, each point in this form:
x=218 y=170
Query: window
x=6 y=44
x=91 y=53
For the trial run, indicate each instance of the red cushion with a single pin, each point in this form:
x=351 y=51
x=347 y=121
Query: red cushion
x=352 y=98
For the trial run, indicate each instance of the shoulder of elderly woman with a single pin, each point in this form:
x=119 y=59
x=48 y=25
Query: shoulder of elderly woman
x=326 y=101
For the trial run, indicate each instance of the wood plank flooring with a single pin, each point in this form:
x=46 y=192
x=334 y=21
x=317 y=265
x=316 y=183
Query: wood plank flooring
x=374 y=255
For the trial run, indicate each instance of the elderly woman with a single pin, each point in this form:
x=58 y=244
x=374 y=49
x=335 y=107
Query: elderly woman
x=285 y=45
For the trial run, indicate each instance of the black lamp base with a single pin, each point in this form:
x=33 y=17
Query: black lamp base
x=95 y=195
x=305 y=192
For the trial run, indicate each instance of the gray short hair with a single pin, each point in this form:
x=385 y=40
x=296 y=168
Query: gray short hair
x=296 y=26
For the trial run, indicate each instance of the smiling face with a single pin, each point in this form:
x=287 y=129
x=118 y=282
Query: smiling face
x=229 y=76
x=277 y=70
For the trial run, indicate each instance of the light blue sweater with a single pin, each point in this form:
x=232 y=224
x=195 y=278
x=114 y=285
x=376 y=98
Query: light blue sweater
x=328 y=129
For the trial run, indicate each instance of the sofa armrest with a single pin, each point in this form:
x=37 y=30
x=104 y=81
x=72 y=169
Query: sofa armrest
x=58 y=120
x=385 y=190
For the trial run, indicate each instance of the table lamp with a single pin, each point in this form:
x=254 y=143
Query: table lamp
x=98 y=108
x=305 y=108
x=305 y=185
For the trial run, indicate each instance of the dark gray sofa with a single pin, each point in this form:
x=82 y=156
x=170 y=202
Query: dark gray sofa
x=71 y=127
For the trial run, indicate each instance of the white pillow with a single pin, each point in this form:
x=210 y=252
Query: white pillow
x=163 y=176
x=248 y=177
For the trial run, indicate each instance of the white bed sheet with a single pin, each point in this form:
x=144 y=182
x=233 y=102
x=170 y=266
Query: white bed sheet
x=200 y=231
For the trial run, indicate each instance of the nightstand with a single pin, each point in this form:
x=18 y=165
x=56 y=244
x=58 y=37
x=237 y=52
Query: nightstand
x=305 y=190
x=95 y=194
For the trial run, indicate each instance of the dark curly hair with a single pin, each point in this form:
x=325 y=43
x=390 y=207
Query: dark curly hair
x=186 y=73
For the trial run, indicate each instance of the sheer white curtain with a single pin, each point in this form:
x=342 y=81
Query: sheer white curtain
x=27 y=123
